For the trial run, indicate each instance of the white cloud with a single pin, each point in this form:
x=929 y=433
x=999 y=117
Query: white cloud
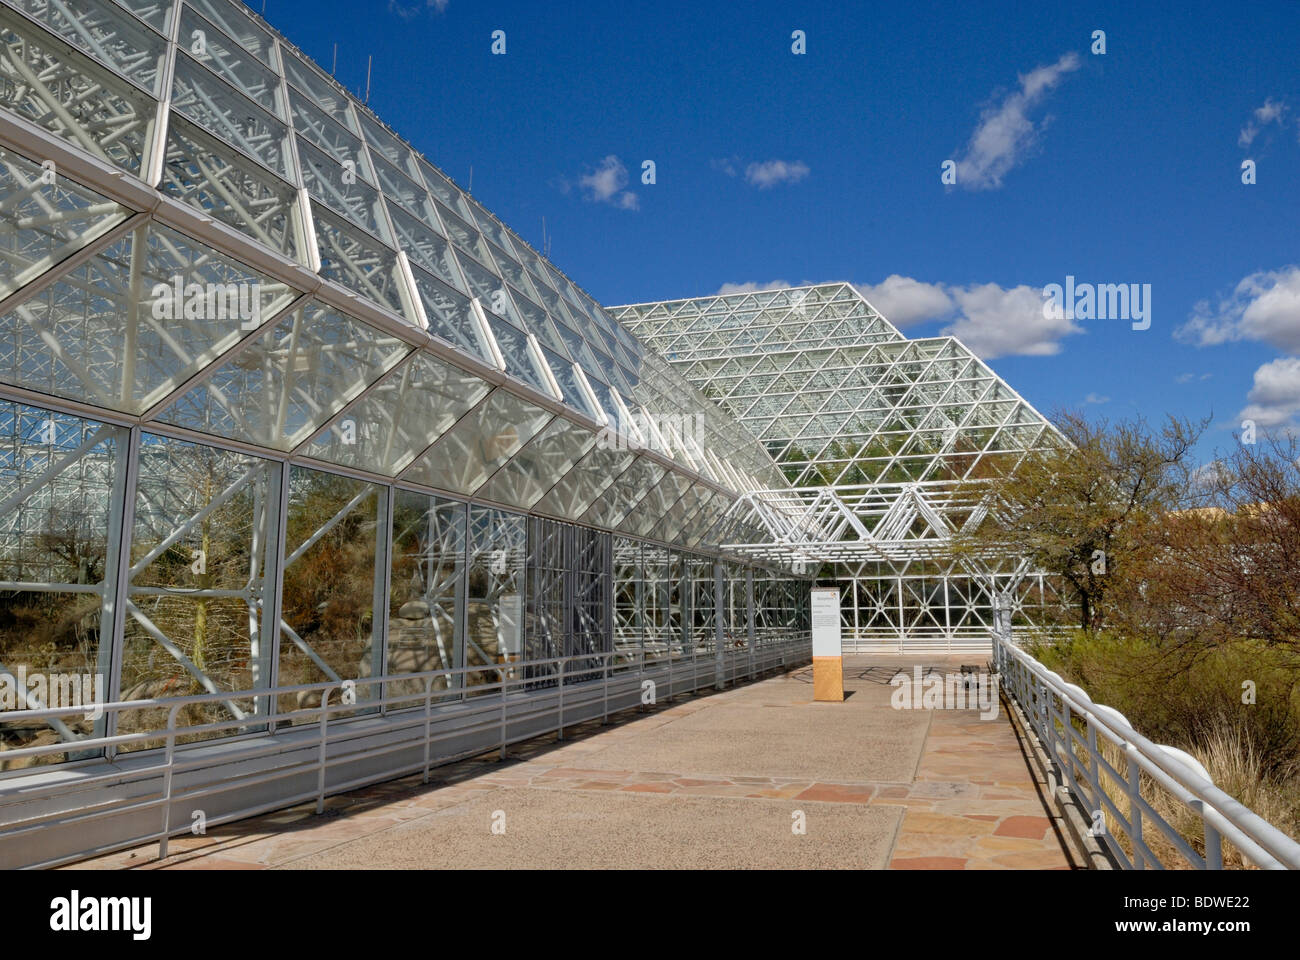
x=727 y=165
x=1275 y=397
x=1264 y=306
x=995 y=322
x=1006 y=135
x=1271 y=112
x=991 y=320
x=905 y=302
x=769 y=173
x=730 y=288
x=1189 y=377
x=1096 y=398
x=605 y=185
x=408 y=11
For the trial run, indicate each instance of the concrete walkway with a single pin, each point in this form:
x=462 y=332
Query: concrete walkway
x=716 y=780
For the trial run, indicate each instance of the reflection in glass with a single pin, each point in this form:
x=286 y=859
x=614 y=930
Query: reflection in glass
x=494 y=621
x=290 y=380
x=333 y=584
x=202 y=544
x=482 y=441
x=426 y=599
x=60 y=510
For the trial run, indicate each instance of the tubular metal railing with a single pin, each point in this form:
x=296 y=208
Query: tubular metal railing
x=525 y=697
x=1082 y=738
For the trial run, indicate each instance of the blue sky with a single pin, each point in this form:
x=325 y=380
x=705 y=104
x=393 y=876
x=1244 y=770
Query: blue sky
x=773 y=167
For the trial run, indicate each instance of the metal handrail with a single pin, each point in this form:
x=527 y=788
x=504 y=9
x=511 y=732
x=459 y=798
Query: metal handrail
x=1036 y=689
x=410 y=715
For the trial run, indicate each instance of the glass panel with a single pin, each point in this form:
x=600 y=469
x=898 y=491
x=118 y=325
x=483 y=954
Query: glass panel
x=426 y=598
x=59 y=487
x=45 y=222
x=490 y=226
x=216 y=51
x=334 y=182
x=494 y=615
x=450 y=318
x=591 y=599
x=203 y=172
x=488 y=288
x=549 y=544
x=424 y=247
x=201 y=549
x=232 y=21
x=481 y=442
x=68 y=94
x=384 y=143
x=386 y=429
x=540 y=465
x=290 y=380
x=230 y=116
x=579 y=350
x=629 y=589
x=156 y=13
x=655 y=505
x=333 y=583
x=511 y=270
x=567 y=377
x=623 y=494
x=360 y=263
x=99 y=29
x=412 y=198
x=571 y=497
x=340 y=145
x=606 y=400
x=518 y=355
x=462 y=234
x=533 y=319
x=442 y=188
x=124 y=338
x=324 y=93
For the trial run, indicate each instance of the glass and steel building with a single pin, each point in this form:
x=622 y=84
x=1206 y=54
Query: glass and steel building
x=282 y=405
x=877 y=437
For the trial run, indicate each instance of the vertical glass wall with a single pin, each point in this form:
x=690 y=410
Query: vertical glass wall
x=426 y=597
x=244 y=573
x=205 y=535
x=333 y=595
x=61 y=482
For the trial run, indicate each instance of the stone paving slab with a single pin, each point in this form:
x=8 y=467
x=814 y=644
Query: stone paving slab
x=711 y=780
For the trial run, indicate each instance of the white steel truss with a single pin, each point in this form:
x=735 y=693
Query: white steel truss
x=879 y=436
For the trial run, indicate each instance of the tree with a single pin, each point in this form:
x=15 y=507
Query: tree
x=1228 y=569
x=1082 y=509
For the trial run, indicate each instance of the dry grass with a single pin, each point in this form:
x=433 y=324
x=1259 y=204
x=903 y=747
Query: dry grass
x=1235 y=767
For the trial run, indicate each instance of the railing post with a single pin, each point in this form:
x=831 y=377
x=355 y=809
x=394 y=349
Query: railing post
x=1094 y=770
x=1135 y=807
x=559 y=735
x=1067 y=715
x=323 y=735
x=503 y=716
x=167 y=782
x=670 y=670
x=1213 y=841
x=428 y=708
x=605 y=717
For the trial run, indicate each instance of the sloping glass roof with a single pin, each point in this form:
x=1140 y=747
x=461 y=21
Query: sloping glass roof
x=389 y=322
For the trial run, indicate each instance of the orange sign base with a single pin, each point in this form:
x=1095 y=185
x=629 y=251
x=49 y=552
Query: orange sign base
x=828 y=678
